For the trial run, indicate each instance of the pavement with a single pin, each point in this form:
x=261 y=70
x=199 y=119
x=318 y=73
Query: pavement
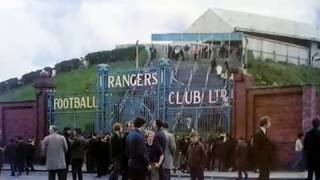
x=41 y=174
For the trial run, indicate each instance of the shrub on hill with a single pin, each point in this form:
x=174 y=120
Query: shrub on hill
x=30 y=77
x=67 y=66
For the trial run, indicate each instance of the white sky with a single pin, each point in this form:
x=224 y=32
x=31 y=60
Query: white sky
x=39 y=33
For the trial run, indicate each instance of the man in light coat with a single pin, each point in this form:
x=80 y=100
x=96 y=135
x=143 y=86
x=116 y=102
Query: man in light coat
x=54 y=148
x=167 y=164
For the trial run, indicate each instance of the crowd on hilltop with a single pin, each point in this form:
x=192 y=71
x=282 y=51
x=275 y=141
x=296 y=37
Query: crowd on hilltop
x=136 y=153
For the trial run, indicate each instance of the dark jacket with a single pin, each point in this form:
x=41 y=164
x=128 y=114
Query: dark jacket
x=116 y=146
x=196 y=155
x=137 y=150
x=312 y=147
x=78 y=146
x=241 y=155
x=263 y=148
x=102 y=151
x=30 y=150
x=160 y=138
x=11 y=152
x=21 y=152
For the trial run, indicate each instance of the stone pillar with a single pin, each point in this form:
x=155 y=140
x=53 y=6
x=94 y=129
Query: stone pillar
x=309 y=106
x=43 y=86
x=242 y=82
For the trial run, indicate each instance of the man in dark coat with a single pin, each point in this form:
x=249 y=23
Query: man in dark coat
x=102 y=155
x=21 y=156
x=312 y=150
x=30 y=150
x=138 y=161
x=241 y=158
x=77 y=146
x=67 y=136
x=161 y=140
x=125 y=158
x=263 y=148
x=116 y=151
x=10 y=154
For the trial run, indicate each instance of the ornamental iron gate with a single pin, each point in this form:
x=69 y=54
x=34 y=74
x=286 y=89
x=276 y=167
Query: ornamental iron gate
x=187 y=95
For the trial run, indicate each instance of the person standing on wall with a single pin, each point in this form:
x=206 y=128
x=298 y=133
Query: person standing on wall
x=169 y=151
x=196 y=157
x=138 y=161
x=312 y=150
x=54 y=148
x=77 y=145
x=263 y=148
x=116 y=151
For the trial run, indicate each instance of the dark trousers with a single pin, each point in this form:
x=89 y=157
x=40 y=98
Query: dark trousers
x=264 y=173
x=197 y=173
x=116 y=170
x=77 y=169
x=60 y=173
x=240 y=171
x=137 y=174
x=29 y=162
x=102 y=168
x=12 y=168
x=21 y=167
x=313 y=170
x=165 y=174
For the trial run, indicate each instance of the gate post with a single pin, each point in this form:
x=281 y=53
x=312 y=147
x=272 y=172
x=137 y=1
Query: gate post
x=102 y=93
x=163 y=88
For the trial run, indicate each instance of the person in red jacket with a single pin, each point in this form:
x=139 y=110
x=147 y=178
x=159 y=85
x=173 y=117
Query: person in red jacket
x=196 y=157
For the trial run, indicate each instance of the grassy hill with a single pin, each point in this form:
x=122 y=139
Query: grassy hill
x=268 y=72
x=76 y=82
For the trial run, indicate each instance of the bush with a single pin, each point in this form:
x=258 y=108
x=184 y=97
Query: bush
x=67 y=66
x=123 y=54
x=30 y=77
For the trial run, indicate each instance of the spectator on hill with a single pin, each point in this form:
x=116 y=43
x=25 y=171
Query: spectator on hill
x=54 y=147
x=312 y=148
x=196 y=157
x=77 y=145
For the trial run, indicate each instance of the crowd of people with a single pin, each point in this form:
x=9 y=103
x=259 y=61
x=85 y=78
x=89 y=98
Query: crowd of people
x=136 y=153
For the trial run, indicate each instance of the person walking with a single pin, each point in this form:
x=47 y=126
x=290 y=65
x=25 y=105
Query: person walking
x=30 y=150
x=21 y=156
x=263 y=148
x=67 y=135
x=155 y=156
x=312 y=148
x=196 y=157
x=138 y=161
x=299 y=159
x=77 y=146
x=10 y=154
x=241 y=158
x=54 y=147
x=169 y=151
x=116 y=151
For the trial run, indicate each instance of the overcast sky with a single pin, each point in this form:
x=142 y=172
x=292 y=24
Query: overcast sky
x=39 y=33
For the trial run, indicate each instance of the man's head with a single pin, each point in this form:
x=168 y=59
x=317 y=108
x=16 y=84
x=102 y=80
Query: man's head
x=53 y=129
x=315 y=122
x=265 y=122
x=117 y=128
x=194 y=136
x=67 y=131
x=130 y=126
x=139 y=123
x=77 y=131
x=159 y=124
